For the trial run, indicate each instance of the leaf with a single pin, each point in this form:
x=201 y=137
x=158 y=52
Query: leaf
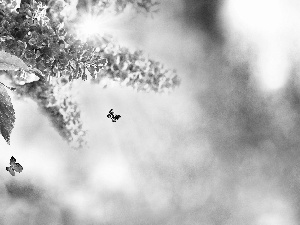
x=7 y=114
x=11 y=62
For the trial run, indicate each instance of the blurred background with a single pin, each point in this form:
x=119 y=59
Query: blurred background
x=223 y=148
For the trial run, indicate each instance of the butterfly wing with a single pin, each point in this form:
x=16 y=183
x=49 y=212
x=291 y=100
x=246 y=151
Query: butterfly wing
x=18 y=168
x=12 y=161
x=10 y=170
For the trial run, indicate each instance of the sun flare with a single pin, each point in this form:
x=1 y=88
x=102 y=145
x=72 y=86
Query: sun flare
x=101 y=25
x=88 y=27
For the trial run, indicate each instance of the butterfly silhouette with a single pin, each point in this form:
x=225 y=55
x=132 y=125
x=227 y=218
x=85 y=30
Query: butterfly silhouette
x=14 y=167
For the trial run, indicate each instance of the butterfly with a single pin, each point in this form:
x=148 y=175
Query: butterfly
x=14 y=167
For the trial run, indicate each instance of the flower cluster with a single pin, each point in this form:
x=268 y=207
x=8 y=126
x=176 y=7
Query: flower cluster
x=41 y=38
x=42 y=42
x=118 y=6
x=134 y=69
x=56 y=100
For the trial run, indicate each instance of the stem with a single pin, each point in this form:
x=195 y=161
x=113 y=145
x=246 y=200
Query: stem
x=11 y=88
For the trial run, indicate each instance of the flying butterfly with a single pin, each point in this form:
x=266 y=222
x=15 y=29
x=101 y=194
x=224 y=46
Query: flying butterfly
x=14 y=167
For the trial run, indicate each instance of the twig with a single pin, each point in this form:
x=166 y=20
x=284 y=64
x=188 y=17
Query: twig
x=11 y=88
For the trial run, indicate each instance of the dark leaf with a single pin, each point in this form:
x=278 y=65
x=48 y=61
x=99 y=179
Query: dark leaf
x=7 y=114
